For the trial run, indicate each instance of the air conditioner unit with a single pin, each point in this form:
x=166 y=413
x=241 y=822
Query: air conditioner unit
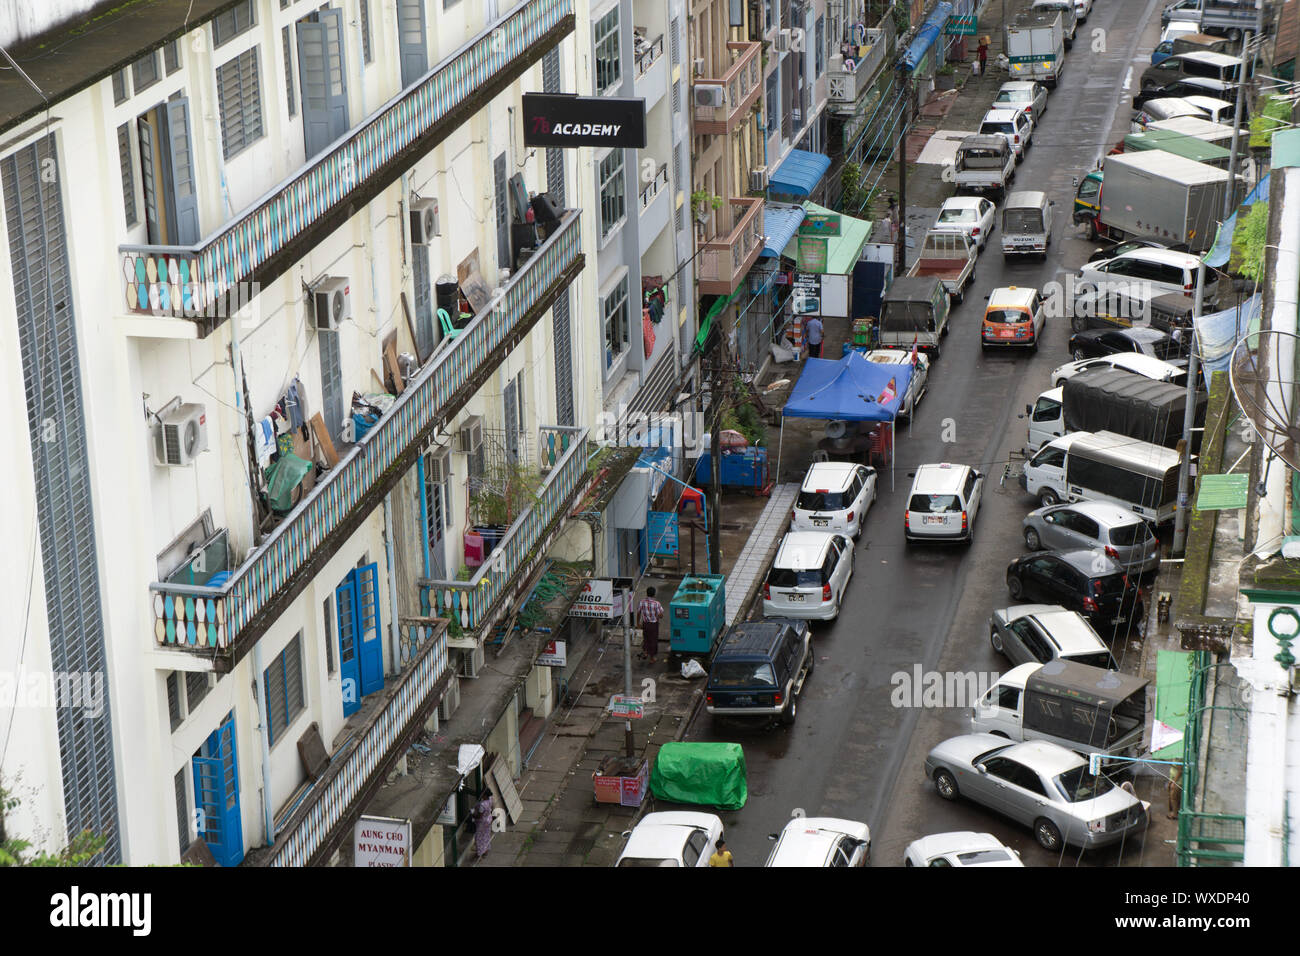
x=708 y=94
x=331 y=303
x=782 y=44
x=470 y=437
x=424 y=221
x=758 y=179
x=180 y=435
x=471 y=662
x=450 y=702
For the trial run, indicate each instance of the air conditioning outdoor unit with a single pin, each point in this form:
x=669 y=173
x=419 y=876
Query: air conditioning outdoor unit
x=470 y=437
x=471 y=662
x=180 y=435
x=782 y=44
x=450 y=702
x=708 y=94
x=331 y=303
x=424 y=221
x=758 y=179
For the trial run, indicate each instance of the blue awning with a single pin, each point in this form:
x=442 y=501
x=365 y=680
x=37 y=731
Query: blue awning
x=800 y=173
x=926 y=36
x=780 y=223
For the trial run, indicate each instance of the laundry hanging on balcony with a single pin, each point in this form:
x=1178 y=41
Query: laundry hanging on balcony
x=648 y=332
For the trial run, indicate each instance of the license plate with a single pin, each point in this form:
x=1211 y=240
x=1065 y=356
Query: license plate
x=795 y=598
x=1025 y=248
x=821 y=522
x=1006 y=334
x=742 y=699
x=934 y=519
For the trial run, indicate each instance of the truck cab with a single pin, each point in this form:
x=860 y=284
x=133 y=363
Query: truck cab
x=1087 y=202
x=914 y=310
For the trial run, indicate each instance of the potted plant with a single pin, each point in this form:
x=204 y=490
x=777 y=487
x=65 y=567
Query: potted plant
x=501 y=496
x=945 y=77
x=701 y=202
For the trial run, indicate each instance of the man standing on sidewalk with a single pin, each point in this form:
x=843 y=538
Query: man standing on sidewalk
x=815 y=333
x=648 y=613
x=983 y=53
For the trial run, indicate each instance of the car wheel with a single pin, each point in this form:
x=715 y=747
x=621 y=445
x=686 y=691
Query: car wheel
x=996 y=640
x=788 y=715
x=1078 y=355
x=1047 y=834
x=945 y=784
x=1092 y=230
x=1032 y=541
x=1015 y=588
x=1048 y=498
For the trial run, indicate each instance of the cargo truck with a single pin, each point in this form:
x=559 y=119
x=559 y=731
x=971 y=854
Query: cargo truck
x=948 y=257
x=1034 y=43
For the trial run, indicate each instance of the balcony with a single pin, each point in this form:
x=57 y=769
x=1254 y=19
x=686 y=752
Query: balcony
x=651 y=70
x=473 y=604
x=654 y=208
x=722 y=103
x=849 y=78
x=724 y=261
x=207 y=282
x=222 y=623
x=324 y=815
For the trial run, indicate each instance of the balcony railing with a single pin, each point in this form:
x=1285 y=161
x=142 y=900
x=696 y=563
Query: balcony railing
x=646 y=58
x=651 y=189
x=207 y=281
x=313 y=829
x=741 y=86
x=564 y=460
x=724 y=261
x=850 y=77
x=205 y=618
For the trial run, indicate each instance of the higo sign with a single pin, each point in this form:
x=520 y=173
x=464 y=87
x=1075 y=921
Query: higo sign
x=568 y=121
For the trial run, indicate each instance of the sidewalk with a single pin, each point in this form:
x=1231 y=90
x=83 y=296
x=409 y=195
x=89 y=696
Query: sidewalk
x=561 y=824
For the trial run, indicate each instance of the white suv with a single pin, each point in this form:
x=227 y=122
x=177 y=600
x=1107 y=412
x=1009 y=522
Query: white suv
x=834 y=498
x=1159 y=270
x=809 y=576
x=1013 y=125
x=943 y=503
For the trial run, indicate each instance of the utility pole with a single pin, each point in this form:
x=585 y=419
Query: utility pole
x=1230 y=193
x=1189 y=421
x=900 y=255
x=719 y=403
x=627 y=667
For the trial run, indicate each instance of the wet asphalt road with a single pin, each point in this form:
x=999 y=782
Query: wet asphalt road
x=852 y=753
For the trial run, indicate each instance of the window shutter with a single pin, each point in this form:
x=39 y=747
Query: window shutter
x=331 y=374
x=240 y=103
x=367 y=52
x=563 y=360
x=184 y=198
x=286 y=43
x=322 y=80
x=412 y=47
x=174 y=700
x=182 y=810
x=128 y=173
x=423 y=301
x=503 y=213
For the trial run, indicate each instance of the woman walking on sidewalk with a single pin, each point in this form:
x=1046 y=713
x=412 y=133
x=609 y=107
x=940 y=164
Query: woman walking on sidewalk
x=483 y=825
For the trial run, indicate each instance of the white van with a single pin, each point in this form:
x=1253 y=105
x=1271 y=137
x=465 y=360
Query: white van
x=1104 y=466
x=1027 y=224
x=943 y=504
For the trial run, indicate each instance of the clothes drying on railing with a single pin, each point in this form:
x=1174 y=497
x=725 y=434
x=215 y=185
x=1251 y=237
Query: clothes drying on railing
x=653 y=298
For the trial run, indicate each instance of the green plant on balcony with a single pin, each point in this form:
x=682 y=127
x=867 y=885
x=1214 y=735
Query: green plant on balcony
x=702 y=201
x=504 y=493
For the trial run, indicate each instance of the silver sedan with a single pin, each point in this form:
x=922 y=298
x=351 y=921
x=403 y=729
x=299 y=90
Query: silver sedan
x=1094 y=525
x=1040 y=784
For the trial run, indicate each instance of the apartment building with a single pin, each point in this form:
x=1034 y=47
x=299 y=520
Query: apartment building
x=225 y=222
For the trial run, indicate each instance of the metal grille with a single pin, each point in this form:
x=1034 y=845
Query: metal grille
x=674 y=44
x=196 y=688
x=286 y=41
x=182 y=811
x=367 y=52
x=240 y=98
x=551 y=83
x=677 y=96
x=174 y=699
x=677 y=168
x=423 y=301
x=47 y=336
x=128 y=173
x=331 y=377
x=563 y=360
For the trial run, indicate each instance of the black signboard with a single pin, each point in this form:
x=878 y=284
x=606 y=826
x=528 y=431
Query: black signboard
x=569 y=121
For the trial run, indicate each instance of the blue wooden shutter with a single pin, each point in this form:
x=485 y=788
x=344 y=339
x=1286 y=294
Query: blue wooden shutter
x=345 y=598
x=216 y=794
x=370 y=629
x=185 y=200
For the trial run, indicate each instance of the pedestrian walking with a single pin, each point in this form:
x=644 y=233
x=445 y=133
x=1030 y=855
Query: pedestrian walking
x=483 y=825
x=815 y=333
x=721 y=855
x=648 y=613
x=983 y=50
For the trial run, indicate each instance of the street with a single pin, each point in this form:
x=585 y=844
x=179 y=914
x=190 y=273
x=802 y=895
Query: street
x=853 y=753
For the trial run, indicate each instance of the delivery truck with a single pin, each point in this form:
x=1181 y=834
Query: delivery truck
x=1153 y=194
x=1034 y=43
x=984 y=164
x=948 y=257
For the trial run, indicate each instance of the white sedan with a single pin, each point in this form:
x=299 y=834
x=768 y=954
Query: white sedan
x=920 y=375
x=1139 y=364
x=962 y=848
x=673 y=838
x=973 y=215
x=1082 y=8
x=821 y=841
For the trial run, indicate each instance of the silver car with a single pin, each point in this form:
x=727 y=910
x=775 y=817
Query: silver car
x=1040 y=784
x=1038 y=633
x=1095 y=525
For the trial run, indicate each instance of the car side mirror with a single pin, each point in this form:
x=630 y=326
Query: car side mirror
x=980 y=768
x=1029 y=409
x=626 y=834
x=772 y=836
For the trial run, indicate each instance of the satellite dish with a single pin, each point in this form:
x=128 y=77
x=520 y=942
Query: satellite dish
x=1263 y=382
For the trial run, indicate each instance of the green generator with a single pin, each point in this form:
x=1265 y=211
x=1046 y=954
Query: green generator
x=698 y=613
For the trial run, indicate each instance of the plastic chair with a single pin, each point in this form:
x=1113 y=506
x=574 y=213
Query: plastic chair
x=449 y=330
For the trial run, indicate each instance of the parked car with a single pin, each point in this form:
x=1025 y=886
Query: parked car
x=1161 y=270
x=1091 y=343
x=960 y=848
x=1082 y=8
x=1181 y=10
x=916 y=386
x=1136 y=362
x=943 y=503
x=1132 y=245
x=1014 y=317
x=1038 y=633
x=821 y=841
x=1216 y=110
x=1121 y=534
x=834 y=497
x=1165 y=108
x=1089 y=582
x=1023 y=95
x=809 y=576
x=1040 y=784
x=673 y=838
x=759 y=670
x=972 y=215
x=1174 y=29
x=1012 y=125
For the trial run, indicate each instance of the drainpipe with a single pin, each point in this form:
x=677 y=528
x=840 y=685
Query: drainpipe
x=268 y=814
x=424 y=513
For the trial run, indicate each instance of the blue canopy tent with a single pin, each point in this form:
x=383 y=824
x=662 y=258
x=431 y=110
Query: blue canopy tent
x=849 y=389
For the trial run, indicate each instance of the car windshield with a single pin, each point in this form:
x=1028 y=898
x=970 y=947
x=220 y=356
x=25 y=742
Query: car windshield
x=1022 y=220
x=991 y=127
x=820 y=501
x=1014 y=96
x=1130 y=534
x=957 y=215
x=934 y=504
x=1006 y=316
x=789 y=578
x=742 y=674
x=1078 y=785
x=1101 y=659
x=645 y=861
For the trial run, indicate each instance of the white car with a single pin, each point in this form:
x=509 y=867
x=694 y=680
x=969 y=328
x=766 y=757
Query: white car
x=1157 y=270
x=834 y=497
x=1216 y=110
x=1082 y=8
x=674 y=838
x=972 y=215
x=1023 y=95
x=1144 y=365
x=821 y=841
x=962 y=848
x=1013 y=125
x=916 y=388
x=809 y=576
x=943 y=503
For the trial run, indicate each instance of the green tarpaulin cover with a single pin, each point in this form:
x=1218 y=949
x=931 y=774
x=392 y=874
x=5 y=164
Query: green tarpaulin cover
x=708 y=774
x=1173 y=688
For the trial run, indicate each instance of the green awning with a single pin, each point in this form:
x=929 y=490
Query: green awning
x=842 y=251
x=707 y=322
x=1222 y=492
x=1173 y=692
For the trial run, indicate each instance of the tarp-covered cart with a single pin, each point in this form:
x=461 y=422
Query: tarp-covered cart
x=705 y=773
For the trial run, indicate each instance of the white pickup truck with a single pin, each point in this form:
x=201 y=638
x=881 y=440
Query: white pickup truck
x=949 y=257
x=984 y=164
